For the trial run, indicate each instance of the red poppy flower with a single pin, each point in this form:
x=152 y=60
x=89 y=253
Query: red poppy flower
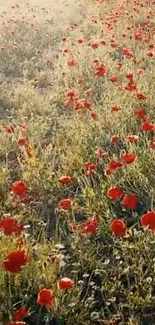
x=65 y=204
x=150 y=54
x=22 y=141
x=128 y=53
x=115 y=164
x=93 y=115
x=108 y=171
x=20 y=313
x=138 y=36
x=129 y=75
x=46 y=298
x=131 y=86
x=140 y=71
x=103 y=42
x=115 y=193
x=118 y=228
x=72 y=63
x=131 y=138
x=10 y=226
x=65 y=179
x=113 y=43
x=148 y=220
x=90 y=226
x=81 y=40
x=86 y=104
x=94 y=20
x=141 y=96
x=152 y=144
x=9 y=129
x=65 y=51
x=114 y=79
x=19 y=188
x=119 y=65
x=94 y=45
x=129 y=158
x=15 y=261
x=79 y=81
x=115 y=108
x=90 y=168
x=114 y=139
x=130 y=201
x=97 y=61
x=100 y=71
x=72 y=95
x=146 y=126
x=141 y=114
x=82 y=104
x=65 y=283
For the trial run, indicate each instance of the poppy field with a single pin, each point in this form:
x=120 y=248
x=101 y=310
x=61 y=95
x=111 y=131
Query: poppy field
x=77 y=157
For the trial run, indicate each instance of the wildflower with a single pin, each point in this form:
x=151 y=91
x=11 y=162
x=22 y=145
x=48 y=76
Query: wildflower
x=93 y=115
x=140 y=71
x=141 y=96
x=81 y=40
x=130 y=201
x=131 y=86
x=148 y=220
x=65 y=283
x=115 y=164
x=129 y=158
x=115 y=193
x=22 y=141
x=113 y=78
x=101 y=71
x=72 y=95
x=150 y=54
x=20 y=314
x=90 y=168
x=65 y=179
x=108 y=171
x=46 y=298
x=94 y=45
x=147 y=126
x=65 y=204
x=90 y=226
x=118 y=228
x=129 y=75
x=115 y=108
x=72 y=63
x=114 y=139
x=152 y=144
x=141 y=114
x=9 y=129
x=138 y=36
x=128 y=53
x=131 y=138
x=10 y=226
x=15 y=261
x=19 y=188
